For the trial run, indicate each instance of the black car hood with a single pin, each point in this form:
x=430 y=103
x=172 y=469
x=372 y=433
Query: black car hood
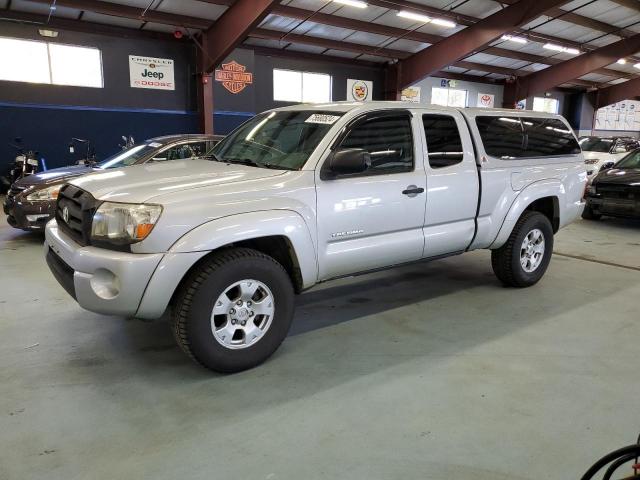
x=619 y=176
x=54 y=175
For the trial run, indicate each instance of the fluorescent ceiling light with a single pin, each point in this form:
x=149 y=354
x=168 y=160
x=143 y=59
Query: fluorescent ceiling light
x=622 y=61
x=352 y=3
x=560 y=48
x=418 y=17
x=511 y=38
x=443 y=23
x=414 y=16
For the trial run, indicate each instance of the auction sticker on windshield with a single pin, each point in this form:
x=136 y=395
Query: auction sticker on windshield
x=322 y=118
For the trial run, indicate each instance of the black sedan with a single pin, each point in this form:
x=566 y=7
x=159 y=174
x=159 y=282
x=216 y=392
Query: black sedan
x=615 y=191
x=31 y=201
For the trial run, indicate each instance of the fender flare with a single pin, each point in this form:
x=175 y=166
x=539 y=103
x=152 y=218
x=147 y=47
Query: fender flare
x=531 y=193
x=205 y=238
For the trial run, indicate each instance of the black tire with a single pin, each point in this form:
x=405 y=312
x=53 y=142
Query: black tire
x=589 y=214
x=506 y=259
x=191 y=320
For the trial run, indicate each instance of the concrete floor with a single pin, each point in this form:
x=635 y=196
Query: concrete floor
x=433 y=371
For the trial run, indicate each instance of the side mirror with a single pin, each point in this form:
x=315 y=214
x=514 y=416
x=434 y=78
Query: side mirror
x=349 y=160
x=607 y=166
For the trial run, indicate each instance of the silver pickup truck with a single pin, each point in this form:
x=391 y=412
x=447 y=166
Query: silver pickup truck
x=304 y=194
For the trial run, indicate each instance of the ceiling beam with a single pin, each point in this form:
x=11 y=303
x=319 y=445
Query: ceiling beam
x=133 y=13
x=283 y=53
x=628 y=90
x=632 y=4
x=472 y=38
x=428 y=38
x=360 y=49
x=285 y=38
x=566 y=71
x=232 y=28
x=577 y=19
x=84 y=27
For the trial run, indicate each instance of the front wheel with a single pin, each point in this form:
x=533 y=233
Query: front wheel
x=234 y=310
x=524 y=258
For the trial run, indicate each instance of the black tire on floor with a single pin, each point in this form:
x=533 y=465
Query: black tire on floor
x=589 y=214
x=191 y=321
x=506 y=259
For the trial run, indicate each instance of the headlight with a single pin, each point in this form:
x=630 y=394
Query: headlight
x=44 y=194
x=591 y=190
x=124 y=223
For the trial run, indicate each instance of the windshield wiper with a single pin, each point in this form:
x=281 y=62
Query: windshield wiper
x=253 y=163
x=213 y=156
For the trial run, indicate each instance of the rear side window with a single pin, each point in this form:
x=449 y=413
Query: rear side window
x=546 y=137
x=515 y=137
x=388 y=140
x=502 y=137
x=443 y=140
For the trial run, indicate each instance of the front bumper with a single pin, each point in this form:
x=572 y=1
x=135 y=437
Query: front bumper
x=614 y=207
x=28 y=215
x=100 y=280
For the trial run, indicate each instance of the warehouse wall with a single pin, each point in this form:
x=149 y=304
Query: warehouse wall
x=472 y=89
x=47 y=116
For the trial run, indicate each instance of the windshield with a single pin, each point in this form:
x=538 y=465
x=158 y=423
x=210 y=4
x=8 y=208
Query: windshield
x=129 y=156
x=282 y=140
x=596 y=144
x=630 y=161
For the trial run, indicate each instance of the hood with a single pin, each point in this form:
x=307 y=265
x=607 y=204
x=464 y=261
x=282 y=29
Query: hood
x=140 y=183
x=599 y=155
x=619 y=176
x=54 y=175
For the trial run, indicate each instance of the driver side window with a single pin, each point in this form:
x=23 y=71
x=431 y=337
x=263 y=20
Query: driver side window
x=388 y=140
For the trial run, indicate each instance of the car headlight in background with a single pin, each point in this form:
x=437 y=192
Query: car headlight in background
x=124 y=223
x=44 y=194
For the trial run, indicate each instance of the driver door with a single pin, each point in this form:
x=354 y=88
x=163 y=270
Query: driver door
x=373 y=219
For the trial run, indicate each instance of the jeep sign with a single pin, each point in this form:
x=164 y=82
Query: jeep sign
x=148 y=72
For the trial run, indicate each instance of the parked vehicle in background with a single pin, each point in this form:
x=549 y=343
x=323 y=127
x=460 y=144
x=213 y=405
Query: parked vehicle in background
x=30 y=202
x=601 y=151
x=615 y=191
x=305 y=194
x=25 y=163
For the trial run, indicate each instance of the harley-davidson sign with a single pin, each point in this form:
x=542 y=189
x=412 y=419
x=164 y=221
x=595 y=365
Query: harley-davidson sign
x=234 y=76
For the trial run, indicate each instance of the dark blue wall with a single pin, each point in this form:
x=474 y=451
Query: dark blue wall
x=48 y=129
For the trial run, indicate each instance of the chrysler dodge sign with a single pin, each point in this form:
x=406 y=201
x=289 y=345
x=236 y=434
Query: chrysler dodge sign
x=149 y=72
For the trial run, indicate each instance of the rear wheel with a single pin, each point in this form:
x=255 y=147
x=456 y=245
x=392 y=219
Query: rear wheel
x=524 y=258
x=234 y=310
x=589 y=214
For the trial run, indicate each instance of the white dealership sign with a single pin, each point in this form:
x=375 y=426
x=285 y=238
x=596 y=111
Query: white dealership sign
x=149 y=72
x=485 y=100
x=359 y=90
x=410 y=94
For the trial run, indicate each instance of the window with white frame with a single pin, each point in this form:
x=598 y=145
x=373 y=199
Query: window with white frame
x=449 y=97
x=545 y=104
x=294 y=86
x=50 y=63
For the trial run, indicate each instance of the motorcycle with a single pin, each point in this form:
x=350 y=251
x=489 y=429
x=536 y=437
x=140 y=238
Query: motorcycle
x=89 y=156
x=25 y=163
x=128 y=142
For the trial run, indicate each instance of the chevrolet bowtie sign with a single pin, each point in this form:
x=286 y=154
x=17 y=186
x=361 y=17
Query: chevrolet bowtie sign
x=234 y=76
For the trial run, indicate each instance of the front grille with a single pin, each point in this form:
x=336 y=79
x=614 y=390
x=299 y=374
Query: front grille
x=612 y=190
x=74 y=211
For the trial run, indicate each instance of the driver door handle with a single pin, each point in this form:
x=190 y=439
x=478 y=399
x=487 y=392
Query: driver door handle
x=412 y=191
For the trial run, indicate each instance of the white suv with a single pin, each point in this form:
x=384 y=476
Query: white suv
x=305 y=194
